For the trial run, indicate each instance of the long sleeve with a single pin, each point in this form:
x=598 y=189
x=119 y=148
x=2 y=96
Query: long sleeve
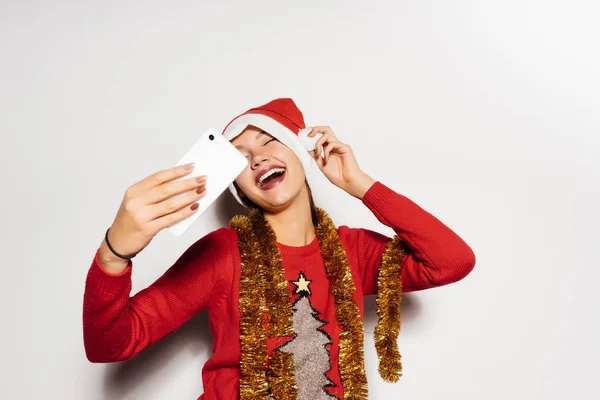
x=117 y=327
x=435 y=255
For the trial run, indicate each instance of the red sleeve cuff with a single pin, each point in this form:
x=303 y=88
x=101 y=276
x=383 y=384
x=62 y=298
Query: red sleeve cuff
x=98 y=264
x=386 y=203
x=377 y=194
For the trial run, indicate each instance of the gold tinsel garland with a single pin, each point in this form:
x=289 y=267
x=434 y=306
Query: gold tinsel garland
x=351 y=358
x=277 y=291
x=281 y=373
x=282 y=376
x=264 y=294
x=389 y=297
x=253 y=308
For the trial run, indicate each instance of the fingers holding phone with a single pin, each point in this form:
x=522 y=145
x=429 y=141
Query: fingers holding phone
x=174 y=201
x=152 y=204
x=170 y=198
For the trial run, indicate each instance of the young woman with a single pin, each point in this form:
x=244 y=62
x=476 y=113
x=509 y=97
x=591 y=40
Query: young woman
x=283 y=285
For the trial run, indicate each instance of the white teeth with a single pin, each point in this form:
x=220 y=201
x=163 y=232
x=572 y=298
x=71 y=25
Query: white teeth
x=269 y=173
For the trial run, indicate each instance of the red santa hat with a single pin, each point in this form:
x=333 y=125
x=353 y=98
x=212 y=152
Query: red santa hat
x=280 y=118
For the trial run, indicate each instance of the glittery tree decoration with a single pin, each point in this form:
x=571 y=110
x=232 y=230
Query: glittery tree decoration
x=309 y=347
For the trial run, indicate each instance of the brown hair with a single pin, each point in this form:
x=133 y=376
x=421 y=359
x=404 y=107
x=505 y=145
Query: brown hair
x=313 y=208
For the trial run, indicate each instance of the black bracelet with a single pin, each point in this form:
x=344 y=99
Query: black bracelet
x=113 y=250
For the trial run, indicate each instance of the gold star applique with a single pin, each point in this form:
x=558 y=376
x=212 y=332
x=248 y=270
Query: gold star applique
x=302 y=284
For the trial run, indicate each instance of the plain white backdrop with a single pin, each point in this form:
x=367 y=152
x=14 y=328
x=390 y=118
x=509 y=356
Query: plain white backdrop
x=485 y=113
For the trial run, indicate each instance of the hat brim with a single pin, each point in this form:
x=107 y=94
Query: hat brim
x=273 y=128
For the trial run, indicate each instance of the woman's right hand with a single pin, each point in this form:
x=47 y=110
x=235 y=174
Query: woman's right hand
x=147 y=208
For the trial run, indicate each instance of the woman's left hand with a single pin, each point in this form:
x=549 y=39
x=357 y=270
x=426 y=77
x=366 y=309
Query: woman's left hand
x=339 y=164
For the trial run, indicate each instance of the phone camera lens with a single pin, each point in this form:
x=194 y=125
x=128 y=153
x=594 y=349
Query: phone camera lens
x=211 y=137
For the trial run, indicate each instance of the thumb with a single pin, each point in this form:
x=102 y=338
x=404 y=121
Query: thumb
x=318 y=159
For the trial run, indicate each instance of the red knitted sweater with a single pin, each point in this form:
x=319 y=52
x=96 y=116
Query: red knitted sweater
x=117 y=326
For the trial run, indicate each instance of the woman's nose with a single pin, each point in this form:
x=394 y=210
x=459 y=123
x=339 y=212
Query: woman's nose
x=258 y=159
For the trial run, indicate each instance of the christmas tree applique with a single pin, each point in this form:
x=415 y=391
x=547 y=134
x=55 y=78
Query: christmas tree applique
x=309 y=347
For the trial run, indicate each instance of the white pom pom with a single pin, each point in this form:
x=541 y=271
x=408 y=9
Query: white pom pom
x=308 y=142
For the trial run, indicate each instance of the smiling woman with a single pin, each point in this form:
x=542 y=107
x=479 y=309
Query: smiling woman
x=283 y=284
x=271 y=165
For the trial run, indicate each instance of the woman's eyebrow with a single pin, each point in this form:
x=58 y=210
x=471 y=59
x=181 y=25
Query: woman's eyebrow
x=261 y=133
x=240 y=146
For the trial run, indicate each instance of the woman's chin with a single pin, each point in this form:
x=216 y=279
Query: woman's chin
x=278 y=203
x=275 y=200
x=278 y=197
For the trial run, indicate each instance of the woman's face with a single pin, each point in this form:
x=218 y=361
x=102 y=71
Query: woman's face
x=274 y=176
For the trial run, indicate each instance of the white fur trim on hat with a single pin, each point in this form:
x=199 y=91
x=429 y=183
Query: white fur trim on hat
x=275 y=129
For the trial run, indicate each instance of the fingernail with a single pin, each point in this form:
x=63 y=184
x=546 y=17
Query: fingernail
x=194 y=206
x=200 y=189
x=201 y=179
x=188 y=166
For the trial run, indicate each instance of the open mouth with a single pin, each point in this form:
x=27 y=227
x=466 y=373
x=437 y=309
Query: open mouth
x=271 y=178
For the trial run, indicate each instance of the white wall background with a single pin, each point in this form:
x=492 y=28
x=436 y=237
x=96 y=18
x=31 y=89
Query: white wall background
x=486 y=113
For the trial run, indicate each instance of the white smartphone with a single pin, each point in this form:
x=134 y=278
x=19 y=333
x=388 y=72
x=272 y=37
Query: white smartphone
x=215 y=157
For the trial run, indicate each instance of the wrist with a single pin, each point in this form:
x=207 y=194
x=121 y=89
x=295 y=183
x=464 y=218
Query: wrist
x=361 y=185
x=109 y=261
